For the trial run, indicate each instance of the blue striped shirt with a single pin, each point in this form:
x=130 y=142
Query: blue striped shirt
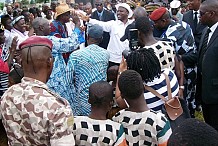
x=56 y=80
x=85 y=67
x=159 y=84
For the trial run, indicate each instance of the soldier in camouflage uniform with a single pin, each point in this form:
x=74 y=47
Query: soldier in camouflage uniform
x=32 y=114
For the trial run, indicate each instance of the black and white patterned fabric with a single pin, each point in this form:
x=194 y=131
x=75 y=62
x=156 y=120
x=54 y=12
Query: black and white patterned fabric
x=159 y=84
x=146 y=128
x=181 y=35
x=165 y=52
x=89 y=132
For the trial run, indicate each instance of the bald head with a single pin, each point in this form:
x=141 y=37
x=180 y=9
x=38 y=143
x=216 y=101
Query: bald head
x=88 y=8
x=88 y=4
x=210 y=5
x=139 y=12
x=37 y=62
x=41 y=26
x=209 y=12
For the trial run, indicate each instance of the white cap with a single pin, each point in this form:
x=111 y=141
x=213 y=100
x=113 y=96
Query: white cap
x=126 y=6
x=175 y=4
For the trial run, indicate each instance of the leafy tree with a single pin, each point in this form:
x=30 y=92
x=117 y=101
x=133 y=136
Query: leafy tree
x=32 y=2
x=24 y=2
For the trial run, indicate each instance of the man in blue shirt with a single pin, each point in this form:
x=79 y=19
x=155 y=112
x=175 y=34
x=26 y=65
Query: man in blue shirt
x=56 y=80
x=86 y=66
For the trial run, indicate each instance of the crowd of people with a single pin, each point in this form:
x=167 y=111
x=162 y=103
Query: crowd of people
x=79 y=74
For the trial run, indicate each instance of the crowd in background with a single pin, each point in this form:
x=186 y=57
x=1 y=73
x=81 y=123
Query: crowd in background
x=81 y=73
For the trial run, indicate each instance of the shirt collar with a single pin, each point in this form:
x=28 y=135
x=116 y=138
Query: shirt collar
x=100 y=13
x=18 y=32
x=196 y=11
x=213 y=28
x=34 y=82
x=127 y=23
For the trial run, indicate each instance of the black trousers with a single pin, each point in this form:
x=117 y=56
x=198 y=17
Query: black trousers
x=112 y=64
x=210 y=114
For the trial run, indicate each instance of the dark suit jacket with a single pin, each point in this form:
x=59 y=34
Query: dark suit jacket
x=207 y=82
x=106 y=16
x=188 y=18
x=190 y=58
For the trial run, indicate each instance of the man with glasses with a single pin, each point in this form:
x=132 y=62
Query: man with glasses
x=207 y=84
x=103 y=15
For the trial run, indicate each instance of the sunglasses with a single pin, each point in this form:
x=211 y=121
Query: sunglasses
x=202 y=13
x=100 y=4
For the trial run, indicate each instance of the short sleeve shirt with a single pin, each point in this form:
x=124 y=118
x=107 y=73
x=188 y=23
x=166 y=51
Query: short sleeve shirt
x=144 y=128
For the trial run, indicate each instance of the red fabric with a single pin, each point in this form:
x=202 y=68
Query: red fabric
x=58 y=35
x=36 y=40
x=158 y=13
x=3 y=65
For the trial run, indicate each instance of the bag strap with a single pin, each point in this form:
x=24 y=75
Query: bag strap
x=155 y=92
x=158 y=94
x=168 y=86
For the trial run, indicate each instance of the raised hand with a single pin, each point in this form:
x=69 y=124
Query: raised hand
x=83 y=17
x=13 y=44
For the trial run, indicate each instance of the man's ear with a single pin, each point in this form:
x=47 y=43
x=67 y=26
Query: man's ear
x=164 y=20
x=89 y=101
x=49 y=61
x=41 y=27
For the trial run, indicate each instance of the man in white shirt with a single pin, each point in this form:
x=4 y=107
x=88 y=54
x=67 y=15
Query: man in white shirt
x=19 y=29
x=116 y=29
x=175 y=11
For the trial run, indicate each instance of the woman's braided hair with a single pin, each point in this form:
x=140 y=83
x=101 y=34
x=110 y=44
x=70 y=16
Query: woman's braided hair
x=145 y=62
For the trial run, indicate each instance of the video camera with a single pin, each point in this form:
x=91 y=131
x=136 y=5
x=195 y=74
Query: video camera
x=133 y=42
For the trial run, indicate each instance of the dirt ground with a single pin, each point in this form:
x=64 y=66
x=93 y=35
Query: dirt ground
x=3 y=136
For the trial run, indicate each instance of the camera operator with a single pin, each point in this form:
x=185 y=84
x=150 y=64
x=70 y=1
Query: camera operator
x=162 y=49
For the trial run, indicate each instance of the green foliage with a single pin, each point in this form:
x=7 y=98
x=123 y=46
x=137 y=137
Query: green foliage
x=32 y=2
x=1 y=6
x=39 y=1
x=25 y=2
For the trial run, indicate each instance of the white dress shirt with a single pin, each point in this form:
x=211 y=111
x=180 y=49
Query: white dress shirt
x=212 y=29
x=116 y=29
x=198 y=15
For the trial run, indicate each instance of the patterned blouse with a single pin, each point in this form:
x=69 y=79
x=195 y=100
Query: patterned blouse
x=90 y=132
x=145 y=128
